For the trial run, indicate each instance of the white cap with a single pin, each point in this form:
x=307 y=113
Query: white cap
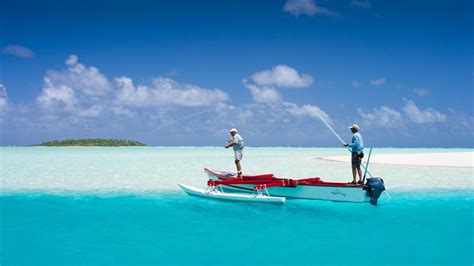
x=233 y=130
x=354 y=126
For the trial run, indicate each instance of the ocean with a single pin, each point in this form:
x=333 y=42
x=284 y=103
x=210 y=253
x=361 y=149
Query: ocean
x=109 y=206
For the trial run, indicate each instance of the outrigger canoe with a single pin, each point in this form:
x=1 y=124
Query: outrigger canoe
x=267 y=187
x=271 y=189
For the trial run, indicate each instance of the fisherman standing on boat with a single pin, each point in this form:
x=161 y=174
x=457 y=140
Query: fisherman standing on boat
x=357 y=148
x=237 y=143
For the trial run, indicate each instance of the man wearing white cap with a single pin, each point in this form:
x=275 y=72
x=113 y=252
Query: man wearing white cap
x=357 y=148
x=237 y=143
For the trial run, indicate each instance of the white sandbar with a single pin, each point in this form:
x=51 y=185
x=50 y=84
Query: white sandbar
x=449 y=159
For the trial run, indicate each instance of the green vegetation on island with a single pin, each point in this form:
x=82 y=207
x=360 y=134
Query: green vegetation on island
x=92 y=142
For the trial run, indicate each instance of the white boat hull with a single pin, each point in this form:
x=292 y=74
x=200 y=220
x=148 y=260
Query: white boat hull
x=349 y=193
x=246 y=197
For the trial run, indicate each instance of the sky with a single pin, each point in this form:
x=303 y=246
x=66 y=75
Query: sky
x=182 y=73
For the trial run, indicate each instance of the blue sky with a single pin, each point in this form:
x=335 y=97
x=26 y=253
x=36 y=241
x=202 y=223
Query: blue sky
x=128 y=69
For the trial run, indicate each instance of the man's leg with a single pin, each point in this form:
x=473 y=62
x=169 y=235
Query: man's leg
x=239 y=168
x=354 y=175
x=360 y=173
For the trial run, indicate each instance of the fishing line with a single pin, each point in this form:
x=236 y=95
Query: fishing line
x=188 y=116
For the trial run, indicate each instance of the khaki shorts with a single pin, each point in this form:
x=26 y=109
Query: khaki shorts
x=238 y=155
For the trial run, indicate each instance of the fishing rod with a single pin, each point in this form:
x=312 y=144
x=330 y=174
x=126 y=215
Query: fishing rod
x=342 y=141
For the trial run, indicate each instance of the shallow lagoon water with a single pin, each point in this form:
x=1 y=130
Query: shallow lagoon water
x=122 y=206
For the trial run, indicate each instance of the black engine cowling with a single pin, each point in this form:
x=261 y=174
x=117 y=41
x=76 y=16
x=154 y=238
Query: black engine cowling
x=374 y=186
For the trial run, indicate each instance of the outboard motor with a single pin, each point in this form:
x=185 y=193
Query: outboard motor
x=374 y=187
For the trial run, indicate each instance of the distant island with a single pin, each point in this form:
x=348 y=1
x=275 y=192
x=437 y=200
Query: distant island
x=92 y=142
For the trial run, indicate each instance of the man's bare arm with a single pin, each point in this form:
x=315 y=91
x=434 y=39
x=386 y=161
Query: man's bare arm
x=230 y=145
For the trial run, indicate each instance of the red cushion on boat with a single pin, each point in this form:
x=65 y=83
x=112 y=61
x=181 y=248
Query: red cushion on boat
x=264 y=176
x=309 y=181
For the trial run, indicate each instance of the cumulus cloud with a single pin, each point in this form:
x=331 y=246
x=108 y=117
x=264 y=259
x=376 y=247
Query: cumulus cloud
x=418 y=116
x=86 y=80
x=19 y=51
x=166 y=92
x=84 y=92
x=92 y=111
x=305 y=110
x=267 y=95
x=378 y=82
x=3 y=98
x=421 y=92
x=387 y=117
x=383 y=116
x=282 y=76
x=361 y=3
x=56 y=96
x=263 y=84
x=305 y=7
x=121 y=111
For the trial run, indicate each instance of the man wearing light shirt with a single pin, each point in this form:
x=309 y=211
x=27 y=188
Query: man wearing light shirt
x=237 y=143
x=357 y=148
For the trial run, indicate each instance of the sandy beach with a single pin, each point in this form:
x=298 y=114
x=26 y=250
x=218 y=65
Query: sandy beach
x=445 y=159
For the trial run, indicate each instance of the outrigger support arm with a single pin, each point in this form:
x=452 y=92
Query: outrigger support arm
x=280 y=183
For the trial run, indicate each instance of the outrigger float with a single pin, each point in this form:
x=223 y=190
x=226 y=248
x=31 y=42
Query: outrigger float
x=268 y=188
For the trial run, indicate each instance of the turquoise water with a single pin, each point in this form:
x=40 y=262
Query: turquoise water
x=122 y=206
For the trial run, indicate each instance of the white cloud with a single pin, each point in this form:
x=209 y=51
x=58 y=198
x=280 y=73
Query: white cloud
x=356 y=84
x=265 y=83
x=382 y=117
x=282 y=76
x=418 y=116
x=80 y=90
x=84 y=92
x=3 y=98
x=361 y=3
x=56 y=96
x=121 y=111
x=166 y=92
x=72 y=60
x=305 y=7
x=378 y=81
x=305 y=110
x=421 y=92
x=268 y=95
x=18 y=50
x=87 y=80
x=92 y=111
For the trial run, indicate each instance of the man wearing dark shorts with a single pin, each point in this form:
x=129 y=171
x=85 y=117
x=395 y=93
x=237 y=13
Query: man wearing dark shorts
x=357 y=148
